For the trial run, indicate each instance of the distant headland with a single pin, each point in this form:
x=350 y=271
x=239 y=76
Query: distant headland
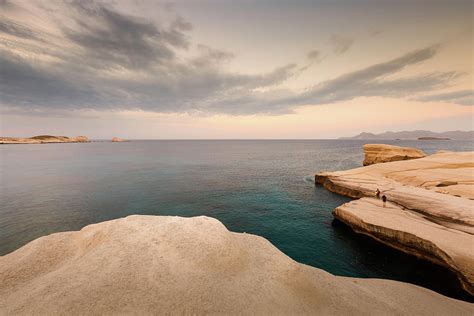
x=44 y=139
x=434 y=138
x=50 y=139
x=418 y=135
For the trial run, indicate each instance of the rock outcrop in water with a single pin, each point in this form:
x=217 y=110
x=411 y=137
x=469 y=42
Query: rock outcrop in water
x=160 y=264
x=43 y=139
x=430 y=212
x=118 y=140
x=378 y=153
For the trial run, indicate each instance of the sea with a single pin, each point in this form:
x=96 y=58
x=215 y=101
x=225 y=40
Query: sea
x=261 y=187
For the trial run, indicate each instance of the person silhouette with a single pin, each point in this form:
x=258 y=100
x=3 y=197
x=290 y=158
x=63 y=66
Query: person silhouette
x=377 y=193
x=384 y=199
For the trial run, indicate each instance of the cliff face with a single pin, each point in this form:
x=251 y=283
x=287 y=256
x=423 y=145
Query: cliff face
x=43 y=139
x=174 y=265
x=430 y=209
x=379 y=153
x=410 y=232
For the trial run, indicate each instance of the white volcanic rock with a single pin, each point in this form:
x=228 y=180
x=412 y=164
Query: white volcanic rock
x=164 y=265
x=378 y=153
x=439 y=188
x=410 y=232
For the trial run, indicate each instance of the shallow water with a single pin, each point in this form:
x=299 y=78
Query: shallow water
x=259 y=187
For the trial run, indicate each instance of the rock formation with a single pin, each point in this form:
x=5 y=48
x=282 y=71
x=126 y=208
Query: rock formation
x=43 y=139
x=118 y=140
x=430 y=210
x=80 y=139
x=377 y=153
x=174 y=265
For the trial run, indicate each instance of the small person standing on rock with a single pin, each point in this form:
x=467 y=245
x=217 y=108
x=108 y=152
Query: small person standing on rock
x=384 y=200
x=377 y=194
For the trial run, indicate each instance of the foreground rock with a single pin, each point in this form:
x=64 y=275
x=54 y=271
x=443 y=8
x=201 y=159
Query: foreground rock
x=378 y=153
x=43 y=139
x=151 y=264
x=431 y=211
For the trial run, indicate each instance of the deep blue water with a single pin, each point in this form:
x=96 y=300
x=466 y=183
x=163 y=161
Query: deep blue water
x=259 y=187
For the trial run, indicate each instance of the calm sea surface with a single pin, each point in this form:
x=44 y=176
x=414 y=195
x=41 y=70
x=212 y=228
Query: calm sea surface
x=259 y=187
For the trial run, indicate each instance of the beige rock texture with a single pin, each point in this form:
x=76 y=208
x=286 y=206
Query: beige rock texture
x=378 y=153
x=172 y=265
x=431 y=213
x=43 y=139
x=410 y=232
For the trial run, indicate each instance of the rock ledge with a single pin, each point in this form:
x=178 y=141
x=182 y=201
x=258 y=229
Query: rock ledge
x=430 y=210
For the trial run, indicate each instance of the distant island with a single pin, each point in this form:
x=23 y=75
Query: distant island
x=43 y=139
x=50 y=139
x=418 y=135
x=119 y=140
x=433 y=138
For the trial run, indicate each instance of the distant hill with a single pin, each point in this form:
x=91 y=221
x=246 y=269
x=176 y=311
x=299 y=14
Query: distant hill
x=458 y=135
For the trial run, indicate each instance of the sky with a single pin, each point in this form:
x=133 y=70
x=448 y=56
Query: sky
x=142 y=69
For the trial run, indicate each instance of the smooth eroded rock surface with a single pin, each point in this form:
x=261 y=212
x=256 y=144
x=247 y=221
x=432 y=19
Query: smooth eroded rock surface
x=410 y=232
x=439 y=189
x=379 y=153
x=154 y=264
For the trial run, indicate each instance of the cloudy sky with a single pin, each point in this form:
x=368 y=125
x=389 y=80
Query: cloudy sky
x=234 y=69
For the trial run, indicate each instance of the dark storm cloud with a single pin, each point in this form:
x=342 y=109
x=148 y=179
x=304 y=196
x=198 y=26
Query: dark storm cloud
x=24 y=85
x=112 y=37
x=111 y=41
x=461 y=97
x=103 y=59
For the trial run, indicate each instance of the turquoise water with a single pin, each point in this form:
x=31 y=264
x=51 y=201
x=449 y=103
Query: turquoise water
x=259 y=187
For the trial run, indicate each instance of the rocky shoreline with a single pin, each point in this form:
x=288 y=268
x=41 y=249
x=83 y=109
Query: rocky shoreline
x=175 y=265
x=429 y=213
